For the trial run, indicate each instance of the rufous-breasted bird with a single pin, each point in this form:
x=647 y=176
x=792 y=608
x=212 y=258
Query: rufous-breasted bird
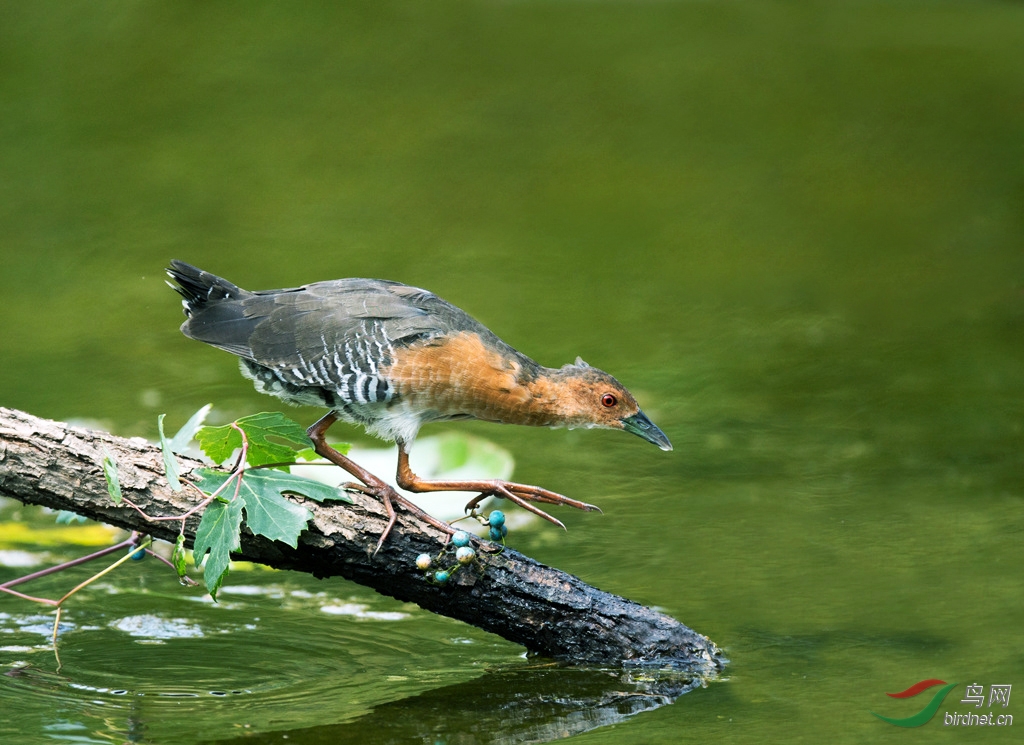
x=392 y=358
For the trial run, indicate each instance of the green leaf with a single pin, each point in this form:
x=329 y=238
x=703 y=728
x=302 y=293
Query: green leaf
x=311 y=454
x=220 y=442
x=181 y=439
x=170 y=461
x=178 y=556
x=218 y=534
x=110 y=473
x=267 y=512
x=259 y=427
x=284 y=483
x=210 y=481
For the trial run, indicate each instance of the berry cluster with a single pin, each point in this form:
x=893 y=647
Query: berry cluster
x=465 y=554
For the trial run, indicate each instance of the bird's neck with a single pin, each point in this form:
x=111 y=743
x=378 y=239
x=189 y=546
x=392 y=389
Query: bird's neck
x=465 y=376
x=553 y=398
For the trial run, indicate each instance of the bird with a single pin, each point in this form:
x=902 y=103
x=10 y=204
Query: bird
x=391 y=358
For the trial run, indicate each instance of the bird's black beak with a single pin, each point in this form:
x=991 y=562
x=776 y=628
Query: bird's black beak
x=643 y=427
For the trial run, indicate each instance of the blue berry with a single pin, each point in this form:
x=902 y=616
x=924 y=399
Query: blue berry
x=441 y=576
x=423 y=561
x=465 y=555
x=496 y=534
x=496 y=519
x=460 y=538
x=138 y=554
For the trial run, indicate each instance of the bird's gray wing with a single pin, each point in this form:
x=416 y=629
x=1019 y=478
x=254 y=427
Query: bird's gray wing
x=339 y=334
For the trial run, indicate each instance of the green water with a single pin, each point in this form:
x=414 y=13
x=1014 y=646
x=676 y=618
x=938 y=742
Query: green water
x=794 y=230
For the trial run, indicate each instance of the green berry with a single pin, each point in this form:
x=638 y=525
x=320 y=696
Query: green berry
x=460 y=538
x=465 y=555
x=423 y=561
x=496 y=519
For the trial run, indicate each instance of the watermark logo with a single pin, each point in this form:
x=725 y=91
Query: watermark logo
x=925 y=715
x=975 y=695
x=997 y=694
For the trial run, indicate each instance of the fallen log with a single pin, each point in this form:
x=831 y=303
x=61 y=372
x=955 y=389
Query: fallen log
x=546 y=610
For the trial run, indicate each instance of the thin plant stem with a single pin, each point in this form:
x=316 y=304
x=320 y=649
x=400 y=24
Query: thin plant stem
x=68 y=564
x=56 y=625
x=146 y=543
x=15 y=593
x=184 y=516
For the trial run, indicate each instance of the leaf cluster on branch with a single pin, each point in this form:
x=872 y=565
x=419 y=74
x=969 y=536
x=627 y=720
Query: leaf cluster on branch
x=252 y=489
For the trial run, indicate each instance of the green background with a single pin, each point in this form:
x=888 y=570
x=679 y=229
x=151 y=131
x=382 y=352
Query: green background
x=794 y=230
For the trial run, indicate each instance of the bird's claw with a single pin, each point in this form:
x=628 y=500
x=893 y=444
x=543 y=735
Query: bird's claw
x=390 y=498
x=524 y=495
x=352 y=486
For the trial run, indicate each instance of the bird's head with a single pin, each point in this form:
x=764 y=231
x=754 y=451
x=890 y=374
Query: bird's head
x=593 y=398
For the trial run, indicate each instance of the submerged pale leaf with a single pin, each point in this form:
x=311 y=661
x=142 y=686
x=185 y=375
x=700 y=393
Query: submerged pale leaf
x=181 y=439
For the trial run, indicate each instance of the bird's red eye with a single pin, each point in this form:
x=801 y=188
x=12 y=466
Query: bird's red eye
x=608 y=400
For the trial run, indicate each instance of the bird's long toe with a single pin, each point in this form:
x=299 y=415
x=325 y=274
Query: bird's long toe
x=524 y=495
x=526 y=505
x=538 y=494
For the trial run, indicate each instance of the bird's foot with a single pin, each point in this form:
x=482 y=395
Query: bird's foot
x=523 y=495
x=368 y=483
x=389 y=497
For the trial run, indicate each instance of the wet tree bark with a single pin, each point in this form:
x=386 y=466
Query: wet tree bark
x=548 y=611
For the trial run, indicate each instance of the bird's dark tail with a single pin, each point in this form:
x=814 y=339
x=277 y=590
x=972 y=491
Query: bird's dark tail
x=200 y=288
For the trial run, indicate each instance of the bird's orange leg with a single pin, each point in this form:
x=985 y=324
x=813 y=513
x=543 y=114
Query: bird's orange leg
x=521 y=494
x=371 y=485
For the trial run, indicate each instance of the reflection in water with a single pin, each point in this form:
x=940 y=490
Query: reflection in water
x=521 y=704
x=524 y=705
